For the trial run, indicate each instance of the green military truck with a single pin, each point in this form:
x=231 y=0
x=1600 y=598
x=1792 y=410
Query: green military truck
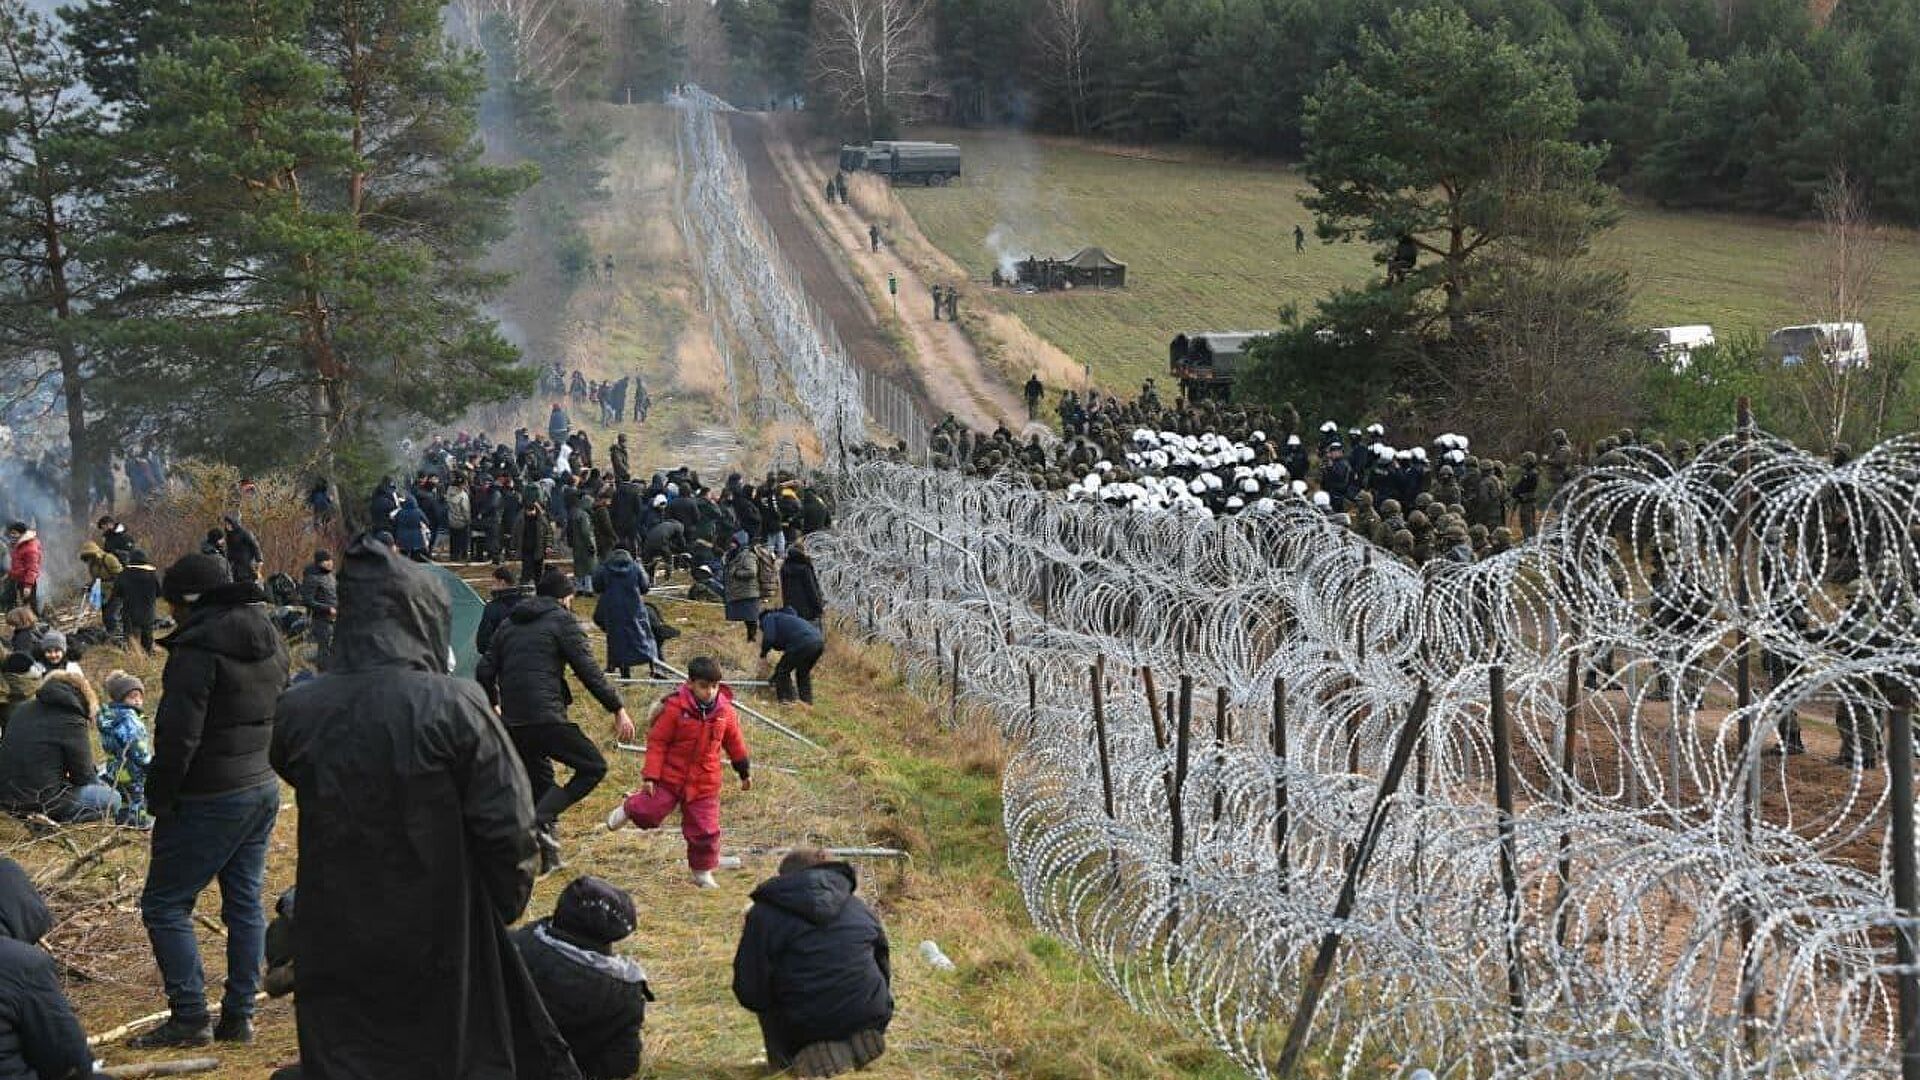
x=1205 y=363
x=903 y=161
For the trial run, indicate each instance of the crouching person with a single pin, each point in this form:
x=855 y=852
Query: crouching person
x=812 y=965
x=598 y=1000
x=39 y=1035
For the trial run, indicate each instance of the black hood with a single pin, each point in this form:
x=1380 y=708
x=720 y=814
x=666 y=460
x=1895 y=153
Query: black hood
x=512 y=592
x=537 y=607
x=221 y=622
x=62 y=695
x=815 y=894
x=795 y=555
x=393 y=613
x=23 y=915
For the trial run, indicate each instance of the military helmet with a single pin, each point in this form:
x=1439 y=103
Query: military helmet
x=1390 y=508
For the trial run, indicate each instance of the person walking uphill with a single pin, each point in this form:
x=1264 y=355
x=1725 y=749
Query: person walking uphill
x=415 y=849
x=686 y=735
x=814 y=965
x=525 y=673
x=212 y=794
x=622 y=614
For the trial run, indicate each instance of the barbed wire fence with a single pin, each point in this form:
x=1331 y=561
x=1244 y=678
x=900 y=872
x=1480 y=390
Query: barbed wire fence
x=757 y=298
x=1511 y=818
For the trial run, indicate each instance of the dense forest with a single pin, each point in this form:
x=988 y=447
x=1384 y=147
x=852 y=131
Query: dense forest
x=1734 y=104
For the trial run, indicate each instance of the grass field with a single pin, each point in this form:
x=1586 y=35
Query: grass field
x=1209 y=246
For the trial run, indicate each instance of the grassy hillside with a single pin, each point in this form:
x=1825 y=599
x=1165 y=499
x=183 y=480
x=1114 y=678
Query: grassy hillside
x=1210 y=246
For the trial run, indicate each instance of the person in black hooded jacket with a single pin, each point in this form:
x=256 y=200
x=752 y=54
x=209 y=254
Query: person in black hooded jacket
x=507 y=594
x=800 y=585
x=416 y=851
x=813 y=965
x=598 y=1000
x=212 y=794
x=524 y=673
x=40 y=1038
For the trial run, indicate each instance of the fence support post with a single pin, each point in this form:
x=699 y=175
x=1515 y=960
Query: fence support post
x=1176 y=797
x=1281 y=813
x=1316 y=983
x=1033 y=701
x=1153 y=708
x=1219 y=747
x=1509 y=857
x=1100 y=732
x=1906 y=891
x=953 y=708
x=1563 y=866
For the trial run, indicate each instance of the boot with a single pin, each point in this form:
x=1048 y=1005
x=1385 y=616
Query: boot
x=618 y=819
x=233 y=1029
x=549 y=850
x=174 y=1035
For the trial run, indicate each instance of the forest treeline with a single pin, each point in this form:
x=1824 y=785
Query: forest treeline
x=1731 y=104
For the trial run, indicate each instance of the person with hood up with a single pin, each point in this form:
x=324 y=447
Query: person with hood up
x=533 y=531
x=598 y=1000
x=813 y=965
x=23 y=568
x=557 y=424
x=507 y=595
x=115 y=540
x=415 y=850
x=40 y=1037
x=622 y=614
x=743 y=583
x=104 y=567
x=46 y=760
x=800 y=585
x=139 y=590
x=524 y=672
x=212 y=794
x=686 y=734
x=581 y=541
x=243 y=550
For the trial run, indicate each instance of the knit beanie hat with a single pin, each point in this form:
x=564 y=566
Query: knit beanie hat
x=555 y=583
x=53 y=640
x=192 y=575
x=595 y=909
x=119 y=684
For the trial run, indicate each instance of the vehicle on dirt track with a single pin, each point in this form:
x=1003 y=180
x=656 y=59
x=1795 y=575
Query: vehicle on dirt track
x=1205 y=363
x=930 y=163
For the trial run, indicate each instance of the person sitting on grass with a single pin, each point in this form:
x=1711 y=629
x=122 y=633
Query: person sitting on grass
x=46 y=760
x=813 y=966
x=686 y=734
x=597 y=999
x=128 y=747
x=39 y=1034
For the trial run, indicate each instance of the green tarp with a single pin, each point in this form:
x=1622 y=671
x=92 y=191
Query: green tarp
x=467 y=606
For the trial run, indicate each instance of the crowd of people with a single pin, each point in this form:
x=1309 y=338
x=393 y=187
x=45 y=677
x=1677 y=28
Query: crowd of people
x=434 y=793
x=1212 y=459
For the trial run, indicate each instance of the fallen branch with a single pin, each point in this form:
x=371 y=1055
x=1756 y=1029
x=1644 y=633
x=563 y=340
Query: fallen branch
x=160 y=1068
x=148 y=1020
x=85 y=859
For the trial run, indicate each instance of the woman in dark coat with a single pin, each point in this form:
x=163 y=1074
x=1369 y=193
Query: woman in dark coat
x=800 y=586
x=622 y=614
x=416 y=851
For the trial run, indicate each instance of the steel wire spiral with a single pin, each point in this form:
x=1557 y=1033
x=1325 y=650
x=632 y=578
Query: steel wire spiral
x=1634 y=964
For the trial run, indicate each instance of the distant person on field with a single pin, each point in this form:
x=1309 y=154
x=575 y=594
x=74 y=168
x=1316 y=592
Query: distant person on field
x=686 y=734
x=873 y=238
x=321 y=595
x=1299 y=239
x=597 y=999
x=813 y=965
x=1034 y=393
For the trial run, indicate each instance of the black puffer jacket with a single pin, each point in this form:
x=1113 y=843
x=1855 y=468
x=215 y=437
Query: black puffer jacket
x=40 y=1039
x=139 y=589
x=598 y=1001
x=525 y=669
x=800 y=586
x=225 y=669
x=498 y=606
x=48 y=751
x=813 y=959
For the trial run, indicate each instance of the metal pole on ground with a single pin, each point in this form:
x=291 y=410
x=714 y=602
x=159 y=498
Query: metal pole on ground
x=1906 y=890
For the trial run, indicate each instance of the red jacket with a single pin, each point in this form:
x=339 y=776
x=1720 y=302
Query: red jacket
x=683 y=747
x=26 y=561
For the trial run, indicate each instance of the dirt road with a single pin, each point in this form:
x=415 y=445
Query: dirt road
x=940 y=366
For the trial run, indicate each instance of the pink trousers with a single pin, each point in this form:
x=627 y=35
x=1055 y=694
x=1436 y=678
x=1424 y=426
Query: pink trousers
x=699 y=821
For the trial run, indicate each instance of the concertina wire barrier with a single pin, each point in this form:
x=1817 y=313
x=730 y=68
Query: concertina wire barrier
x=1682 y=904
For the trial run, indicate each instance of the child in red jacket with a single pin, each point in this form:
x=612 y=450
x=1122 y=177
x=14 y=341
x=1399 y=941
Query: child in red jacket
x=685 y=737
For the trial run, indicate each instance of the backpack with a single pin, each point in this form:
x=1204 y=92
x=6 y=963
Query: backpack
x=283 y=590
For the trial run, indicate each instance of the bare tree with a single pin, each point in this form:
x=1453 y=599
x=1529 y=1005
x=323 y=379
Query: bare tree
x=1067 y=33
x=1847 y=253
x=871 y=57
x=556 y=39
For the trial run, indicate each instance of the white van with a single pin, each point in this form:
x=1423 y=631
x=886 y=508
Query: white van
x=1842 y=344
x=1675 y=344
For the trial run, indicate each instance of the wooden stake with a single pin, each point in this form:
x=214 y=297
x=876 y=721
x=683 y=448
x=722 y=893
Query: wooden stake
x=1281 y=815
x=1906 y=890
x=1153 y=708
x=1100 y=732
x=1563 y=868
x=1509 y=857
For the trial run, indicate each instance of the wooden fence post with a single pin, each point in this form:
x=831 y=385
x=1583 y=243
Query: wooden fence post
x=1100 y=731
x=1563 y=867
x=1509 y=857
x=1906 y=892
x=1281 y=814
